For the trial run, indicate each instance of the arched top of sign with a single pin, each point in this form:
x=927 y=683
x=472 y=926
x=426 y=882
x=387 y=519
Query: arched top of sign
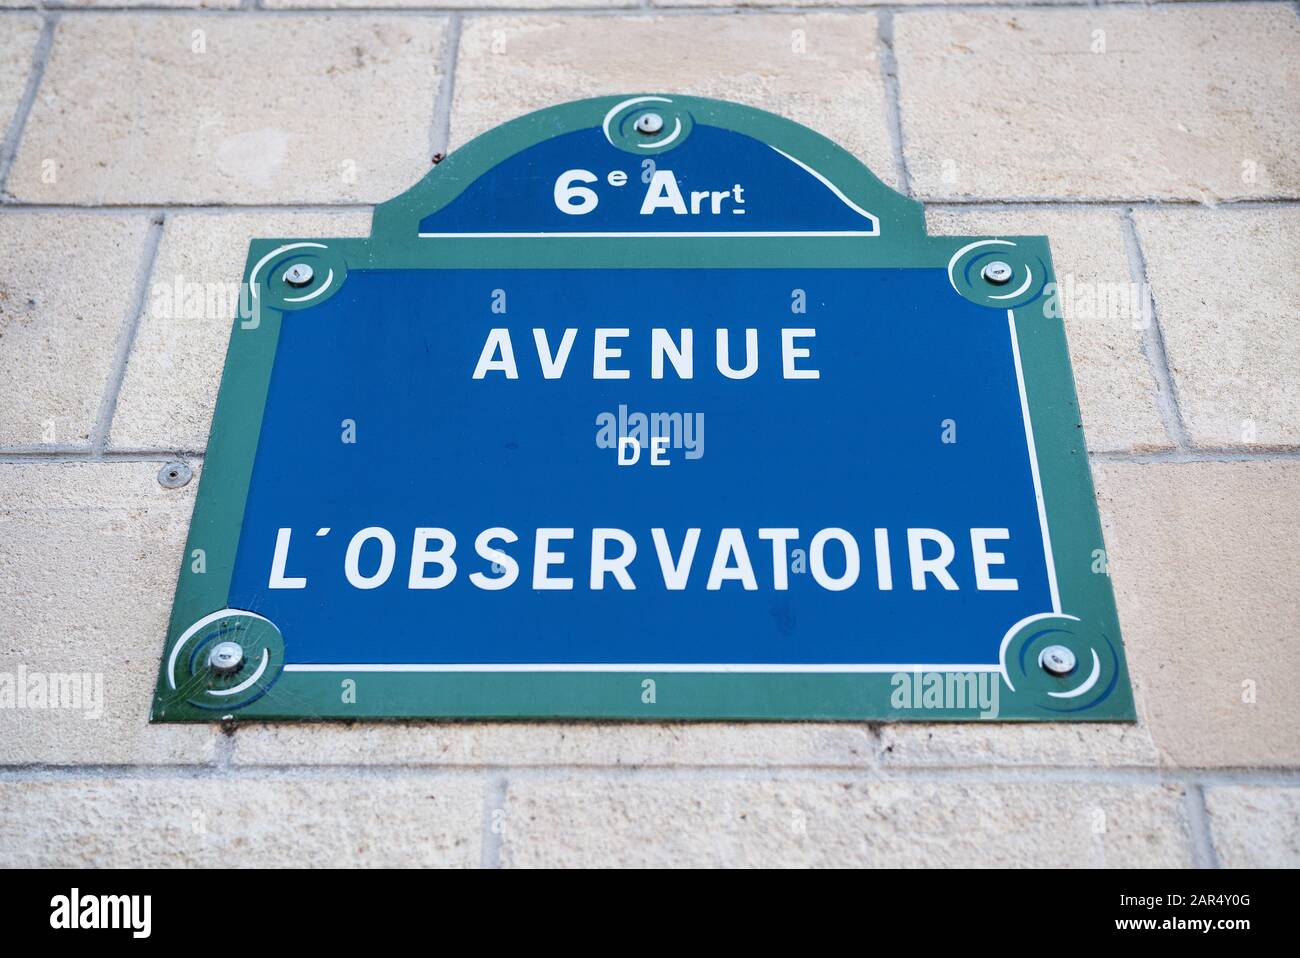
x=650 y=166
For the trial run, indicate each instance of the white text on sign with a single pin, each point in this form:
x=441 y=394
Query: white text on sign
x=574 y=195
x=833 y=558
x=608 y=361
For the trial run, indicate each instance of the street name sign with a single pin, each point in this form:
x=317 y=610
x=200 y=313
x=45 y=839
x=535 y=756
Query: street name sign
x=646 y=407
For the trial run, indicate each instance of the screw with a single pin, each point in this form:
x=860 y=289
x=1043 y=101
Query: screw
x=226 y=657
x=998 y=273
x=1057 y=659
x=299 y=275
x=649 y=123
x=174 y=475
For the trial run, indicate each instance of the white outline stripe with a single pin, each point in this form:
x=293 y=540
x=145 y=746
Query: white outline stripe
x=653 y=235
x=639 y=667
x=841 y=668
x=1033 y=464
x=875 y=223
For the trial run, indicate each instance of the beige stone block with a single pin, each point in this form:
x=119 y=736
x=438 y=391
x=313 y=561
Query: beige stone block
x=451 y=4
x=67 y=291
x=828 y=3
x=98 y=4
x=1255 y=826
x=232 y=109
x=17 y=53
x=339 y=821
x=88 y=559
x=1227 y=291
x=1084 y=745
x=1178 y=102
x=653 y=821
x=1203 y=558
x=519 y=744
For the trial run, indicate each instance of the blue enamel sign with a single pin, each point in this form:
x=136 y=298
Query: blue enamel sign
x=647 y=407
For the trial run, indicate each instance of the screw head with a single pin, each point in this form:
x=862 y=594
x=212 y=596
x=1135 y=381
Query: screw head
x=174 y=475
x=226 y=657
x=649 y=123
x=1057 y=659
x=998 y=273
x=299 y=275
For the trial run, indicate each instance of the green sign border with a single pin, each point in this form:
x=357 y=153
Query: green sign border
x=1089 y=626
